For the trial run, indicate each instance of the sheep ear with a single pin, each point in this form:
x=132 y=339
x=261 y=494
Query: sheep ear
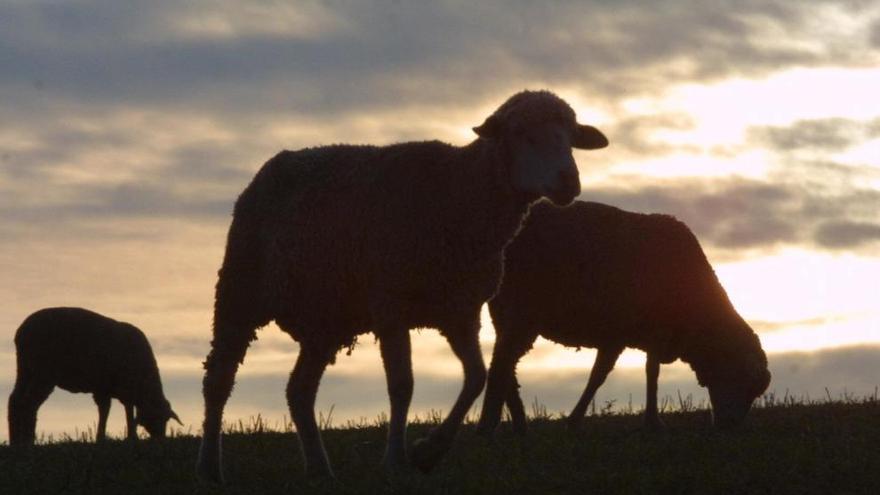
x=173 y=415
x=490 y=129
x=587 y=137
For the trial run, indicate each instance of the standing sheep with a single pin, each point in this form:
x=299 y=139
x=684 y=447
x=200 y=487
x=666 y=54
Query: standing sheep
x=592 y=275
x=335 y=241
x=82 y=351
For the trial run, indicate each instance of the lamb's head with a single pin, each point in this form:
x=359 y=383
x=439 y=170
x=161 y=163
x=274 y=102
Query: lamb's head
x=537 y=131
x=153 y=417
x=737 y=377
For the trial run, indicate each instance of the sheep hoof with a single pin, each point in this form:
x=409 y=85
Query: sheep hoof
x=208 y=467
x=520 y=428
x=485 y=431
x=654 y=424
x=209 y=474
x=573 y=424
x=426 y=453
x=395 y=465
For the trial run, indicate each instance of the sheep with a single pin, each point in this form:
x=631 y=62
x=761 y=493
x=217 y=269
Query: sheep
x=592 y=275
x=335 y=241
x=82 y=351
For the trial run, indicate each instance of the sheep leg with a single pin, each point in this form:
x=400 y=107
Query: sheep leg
x=130 y=424
x=103 y=403
x=397 y=359
x=515 y=406
x=502 y=375
x=605 y=360
x=227 y=351
x=652 y=373
x=302 y=389
x=426 y=452
x=26 y=398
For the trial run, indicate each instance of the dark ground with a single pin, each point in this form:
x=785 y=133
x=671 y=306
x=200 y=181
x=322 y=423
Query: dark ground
x=833 y=447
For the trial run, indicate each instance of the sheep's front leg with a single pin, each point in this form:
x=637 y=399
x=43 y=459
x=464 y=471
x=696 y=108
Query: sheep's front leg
x=302 y=389
x=652 y=373
x=227 y=350
x=605 y=360
x=26 y=398
x=394 y=344
x=465 y=343
x=502 y=375
x=103 y=403
x=130 y=423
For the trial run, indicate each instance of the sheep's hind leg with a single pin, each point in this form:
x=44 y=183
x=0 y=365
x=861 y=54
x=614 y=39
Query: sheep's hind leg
x=394 y=344
x=515 y=406
x=26 y=398
x=502 y=374
x=227 y=351
x=652 y=373
x=605 y=360
x=426 y=452
x=302 y=389
x=103 y=403
x=130 y=424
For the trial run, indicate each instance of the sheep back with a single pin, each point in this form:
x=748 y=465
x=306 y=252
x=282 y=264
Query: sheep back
x=324 y=239
x=82 y=351
x=597 y=276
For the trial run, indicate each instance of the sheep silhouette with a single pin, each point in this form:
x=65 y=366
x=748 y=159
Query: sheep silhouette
x=335 y=241
x=82 y=351
x=592 y=275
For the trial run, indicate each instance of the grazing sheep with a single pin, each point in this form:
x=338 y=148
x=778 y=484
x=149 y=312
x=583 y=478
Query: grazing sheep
x=82 y=351
x=335 y=241
x=592 y=275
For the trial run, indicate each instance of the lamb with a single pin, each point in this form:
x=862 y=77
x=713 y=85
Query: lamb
x=335 y=241
x=82 y=351
x=592 y=275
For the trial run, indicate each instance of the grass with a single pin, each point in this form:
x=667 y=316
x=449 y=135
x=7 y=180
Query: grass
x=789 y=445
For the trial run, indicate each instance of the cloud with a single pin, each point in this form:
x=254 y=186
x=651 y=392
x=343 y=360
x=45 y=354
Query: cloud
x=331 y=58
x=843 y=234
x=827 y=134
x=738 y=213
x=875 y=34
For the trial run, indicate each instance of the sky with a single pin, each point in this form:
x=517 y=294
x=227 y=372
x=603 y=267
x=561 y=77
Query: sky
x=127 y=130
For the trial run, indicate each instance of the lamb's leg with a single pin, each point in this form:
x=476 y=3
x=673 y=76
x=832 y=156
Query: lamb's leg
x=465 y=343
x=227 y=350
x=130 y=425
x=103 y=402
x=605 y=360
x=652 y=373
x=302 y=390
x=515 y=406
x=506 y=354
x=26 y=398
x=394 y=343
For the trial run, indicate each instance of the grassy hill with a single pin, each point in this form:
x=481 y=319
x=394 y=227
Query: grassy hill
x=785 y=447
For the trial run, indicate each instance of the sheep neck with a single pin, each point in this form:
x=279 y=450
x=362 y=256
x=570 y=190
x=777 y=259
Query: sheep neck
x=484 y=209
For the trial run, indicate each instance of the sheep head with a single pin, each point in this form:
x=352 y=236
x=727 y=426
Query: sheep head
x=736 y=376
x=154 y=417
x=537 y=130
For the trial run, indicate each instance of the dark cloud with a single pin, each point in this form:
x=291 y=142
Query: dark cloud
x=874 y=36
x=827 y=134
x=392 y=53
x=743 y=213
x=633 y=134
x=842 y=234
x=125 y=201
